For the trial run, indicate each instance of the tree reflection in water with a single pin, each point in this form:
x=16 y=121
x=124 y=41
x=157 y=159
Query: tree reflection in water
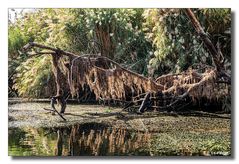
x=59 y=143
x=102 y=141
x=89 y=139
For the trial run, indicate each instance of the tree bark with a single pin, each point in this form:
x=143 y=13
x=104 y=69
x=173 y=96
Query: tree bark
x=215 y=53
x=145 y=103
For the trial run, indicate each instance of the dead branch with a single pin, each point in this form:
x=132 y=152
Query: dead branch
x=216 y=53
x=57 y=50
x=213 y=51
x=47 y=109
x=107 y=80
x=145 y=103
x=54 y=109
x=180 y=98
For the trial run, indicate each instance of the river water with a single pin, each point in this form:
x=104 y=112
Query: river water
x=34 y=132
x=77 y=140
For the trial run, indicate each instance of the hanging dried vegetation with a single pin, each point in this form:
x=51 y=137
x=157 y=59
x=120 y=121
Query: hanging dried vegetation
x=107 y=80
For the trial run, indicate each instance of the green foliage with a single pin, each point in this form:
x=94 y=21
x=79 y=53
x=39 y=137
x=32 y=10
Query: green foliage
x=149 y=41
x=15 y=41
x=116 y=33
x=176 y=46
x=34 y=78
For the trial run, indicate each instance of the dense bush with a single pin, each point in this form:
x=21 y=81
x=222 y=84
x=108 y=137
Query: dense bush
x=176 y=45
x=149 y=41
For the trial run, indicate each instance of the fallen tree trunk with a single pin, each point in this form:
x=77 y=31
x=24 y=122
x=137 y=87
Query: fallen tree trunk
x=107 y=80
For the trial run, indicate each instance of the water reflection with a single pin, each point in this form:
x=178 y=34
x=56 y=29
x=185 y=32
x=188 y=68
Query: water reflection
x=107 y=141
x=78 y=140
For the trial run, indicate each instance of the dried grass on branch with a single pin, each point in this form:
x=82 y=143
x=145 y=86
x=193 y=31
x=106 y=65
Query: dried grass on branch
x=107 y=80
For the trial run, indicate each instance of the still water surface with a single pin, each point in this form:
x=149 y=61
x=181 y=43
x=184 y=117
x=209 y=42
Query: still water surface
x=179 y=136
x=77 y=140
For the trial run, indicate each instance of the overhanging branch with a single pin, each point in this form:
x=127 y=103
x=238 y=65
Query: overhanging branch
x=56 y=50
x=215 y=53
x=211 y=48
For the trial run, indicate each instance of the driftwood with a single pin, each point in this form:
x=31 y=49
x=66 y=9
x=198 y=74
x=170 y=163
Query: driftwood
x=107 y=80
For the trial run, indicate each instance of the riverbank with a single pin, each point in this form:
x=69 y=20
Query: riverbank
x=189 y=132
x=33 y=114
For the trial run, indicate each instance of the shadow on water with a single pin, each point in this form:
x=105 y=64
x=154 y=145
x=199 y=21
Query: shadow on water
x=79 y=140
